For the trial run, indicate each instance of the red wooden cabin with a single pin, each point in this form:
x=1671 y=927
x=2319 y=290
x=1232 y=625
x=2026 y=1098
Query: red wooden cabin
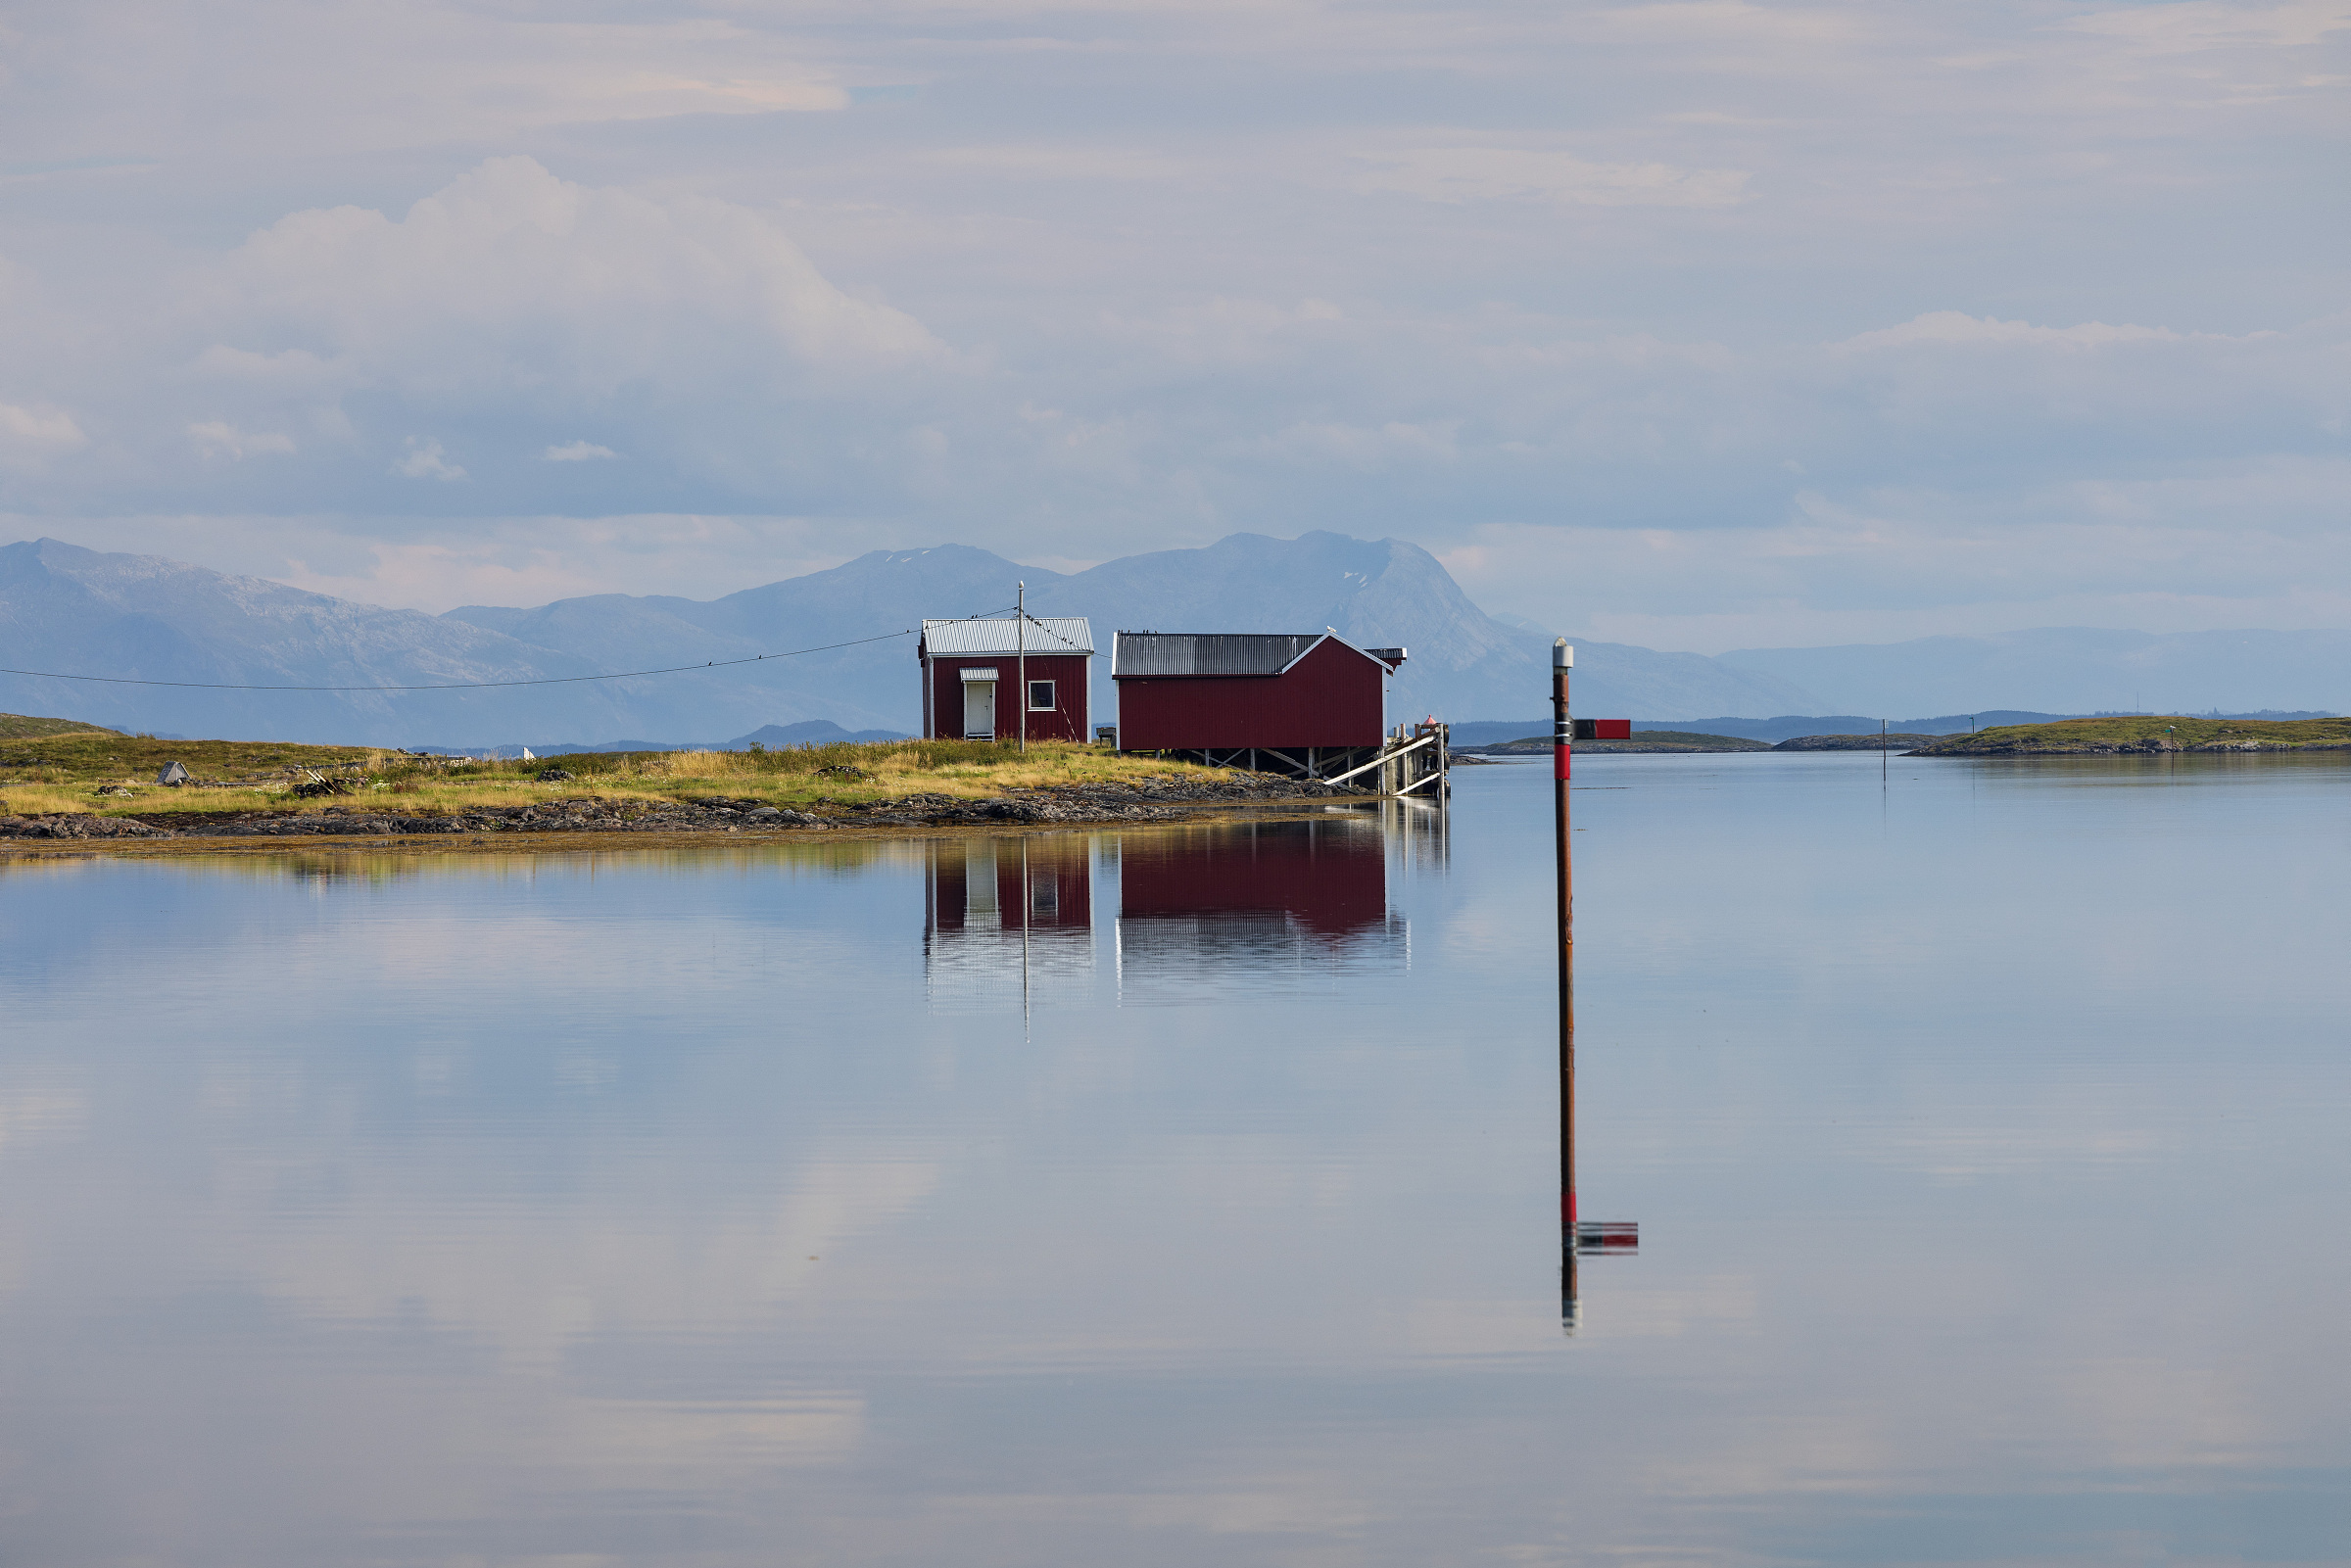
x=1275 y=692
x=973 y=673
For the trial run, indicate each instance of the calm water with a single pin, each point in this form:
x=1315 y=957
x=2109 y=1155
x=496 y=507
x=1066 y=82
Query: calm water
x=1986 y=1131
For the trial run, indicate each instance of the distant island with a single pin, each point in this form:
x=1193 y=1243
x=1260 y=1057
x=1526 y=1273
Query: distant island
x=1646 y=740
x=1888 y=740
x=2123 y=735
x=2141 y=734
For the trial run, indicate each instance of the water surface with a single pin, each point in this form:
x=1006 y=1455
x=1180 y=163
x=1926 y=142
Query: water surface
x=1189 y=1195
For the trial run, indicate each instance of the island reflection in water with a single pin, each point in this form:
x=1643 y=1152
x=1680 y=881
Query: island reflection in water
x=725 y=1205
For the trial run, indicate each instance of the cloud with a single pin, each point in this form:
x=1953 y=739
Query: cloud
x=512 y=277
x=1767 y=291
x=30 y=435
x=1950 y=328
x=516 y=306
x=1514 y=173
x=2200 y=28
x=424 y=461
x=216 y=438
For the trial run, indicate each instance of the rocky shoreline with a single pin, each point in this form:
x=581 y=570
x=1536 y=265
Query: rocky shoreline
x=1151 y=801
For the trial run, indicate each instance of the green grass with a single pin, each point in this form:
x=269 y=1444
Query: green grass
x=2144 y=733
x=18 y=726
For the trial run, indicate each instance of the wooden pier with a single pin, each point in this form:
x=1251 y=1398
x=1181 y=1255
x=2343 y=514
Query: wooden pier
x=1412 y=760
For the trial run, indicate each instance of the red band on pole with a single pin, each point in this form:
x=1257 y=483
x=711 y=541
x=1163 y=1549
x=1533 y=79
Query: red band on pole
x=1559 y=762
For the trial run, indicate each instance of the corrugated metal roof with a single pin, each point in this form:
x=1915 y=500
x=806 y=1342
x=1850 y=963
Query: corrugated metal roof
x=1046 y=633
x=1211 y=653
x=1142 y=653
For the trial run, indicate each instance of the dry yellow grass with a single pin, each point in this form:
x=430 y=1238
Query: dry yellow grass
x=69 y=772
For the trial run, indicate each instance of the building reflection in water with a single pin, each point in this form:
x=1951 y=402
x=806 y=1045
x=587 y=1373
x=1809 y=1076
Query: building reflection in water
x=1281 y=901
x=1004 y=916
x=1012 y=918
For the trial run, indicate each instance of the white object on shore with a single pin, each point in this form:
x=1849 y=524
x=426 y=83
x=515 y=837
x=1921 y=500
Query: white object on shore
x=172 y=774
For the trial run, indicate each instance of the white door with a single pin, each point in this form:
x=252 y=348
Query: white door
x=979 y=710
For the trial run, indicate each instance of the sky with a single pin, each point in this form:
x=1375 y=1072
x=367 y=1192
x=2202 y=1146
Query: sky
x=1698 y=325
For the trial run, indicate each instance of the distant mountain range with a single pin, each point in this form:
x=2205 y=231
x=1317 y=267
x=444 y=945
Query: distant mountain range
x=774 y=736
x=74 y=610
x=77 y=611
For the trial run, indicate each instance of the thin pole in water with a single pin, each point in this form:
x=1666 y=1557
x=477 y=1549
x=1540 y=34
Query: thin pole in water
x=1028 y=902
x=1563 y=747
x=1881 y=751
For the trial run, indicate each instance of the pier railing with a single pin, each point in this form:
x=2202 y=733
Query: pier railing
x=1411 y=760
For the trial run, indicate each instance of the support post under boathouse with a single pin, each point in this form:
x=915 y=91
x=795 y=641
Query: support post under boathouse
x=1310 y=705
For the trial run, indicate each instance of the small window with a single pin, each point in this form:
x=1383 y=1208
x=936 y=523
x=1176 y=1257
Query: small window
x=1040 y=696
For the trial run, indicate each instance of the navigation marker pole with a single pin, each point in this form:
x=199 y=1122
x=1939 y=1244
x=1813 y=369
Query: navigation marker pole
x=1562 y=749
x=1575 y=1236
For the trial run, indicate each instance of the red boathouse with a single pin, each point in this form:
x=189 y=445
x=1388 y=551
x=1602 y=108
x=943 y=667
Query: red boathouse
x=1299 y=693
x=974 y=672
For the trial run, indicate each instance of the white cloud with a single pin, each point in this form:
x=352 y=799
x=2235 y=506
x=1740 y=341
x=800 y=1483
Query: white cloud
x=512 y=277
x=30 y=435
x=1050 y=162
x=218 y=437
x=1843 y=283
x=2198 y=29
x=334 y=77
x=1950 y=328
x=522 y=560
x=1517 y=173
x=425 y=460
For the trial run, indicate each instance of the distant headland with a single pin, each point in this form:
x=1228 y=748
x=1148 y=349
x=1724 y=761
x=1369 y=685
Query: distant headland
x=2141 y=734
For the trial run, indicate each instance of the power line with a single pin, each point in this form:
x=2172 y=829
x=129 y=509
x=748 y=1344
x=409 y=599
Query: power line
x=482 y=686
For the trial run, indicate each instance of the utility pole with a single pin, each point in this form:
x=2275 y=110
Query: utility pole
x=1020 y=644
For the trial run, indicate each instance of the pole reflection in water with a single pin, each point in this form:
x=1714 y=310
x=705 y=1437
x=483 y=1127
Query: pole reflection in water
x=1007 y=915
x=1578 y=1237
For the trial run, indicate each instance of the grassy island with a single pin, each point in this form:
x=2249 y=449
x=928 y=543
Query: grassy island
x=2137 y=735
x=70 y=768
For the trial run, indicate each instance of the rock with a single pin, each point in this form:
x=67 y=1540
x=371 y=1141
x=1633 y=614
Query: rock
x=554 y=776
